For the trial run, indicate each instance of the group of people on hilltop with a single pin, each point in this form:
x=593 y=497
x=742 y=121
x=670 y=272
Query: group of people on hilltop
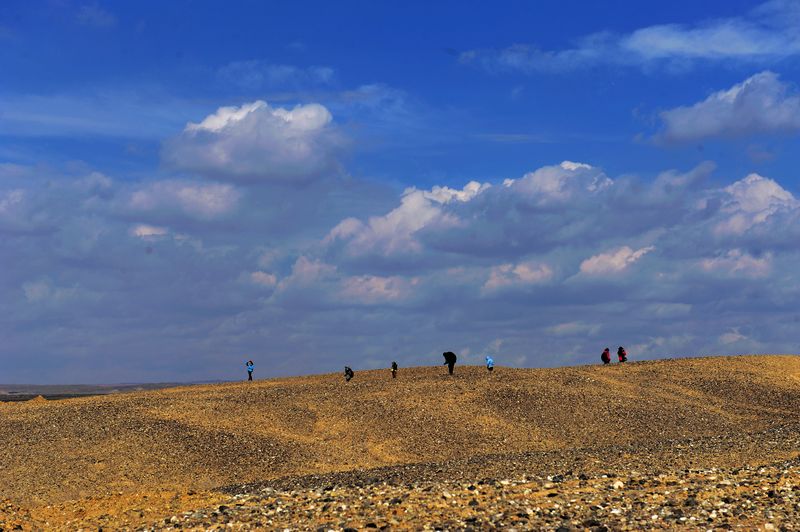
x=450 y=359
x=622 y=356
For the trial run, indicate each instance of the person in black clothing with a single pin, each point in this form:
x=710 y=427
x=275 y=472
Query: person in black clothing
x=449 y=360
x=622 y=355
x=348 y=373
x=394 y=370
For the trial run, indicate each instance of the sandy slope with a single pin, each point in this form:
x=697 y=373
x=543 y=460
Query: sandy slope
x=132 y=448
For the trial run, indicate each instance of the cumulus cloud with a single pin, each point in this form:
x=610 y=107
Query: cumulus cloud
x=614 y=261
x=510 y=275
x=257 y=142
x=736 y=262
x=759 y=104
x=395 y=232
x=203 y=201
x=766 y=34
x=148 y=231
x=544 y=268
x=750 y=202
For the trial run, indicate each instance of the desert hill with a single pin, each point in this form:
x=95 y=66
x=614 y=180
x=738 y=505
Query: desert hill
x=194 y=439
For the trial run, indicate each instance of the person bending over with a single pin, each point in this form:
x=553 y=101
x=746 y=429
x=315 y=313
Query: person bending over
x=449 y=360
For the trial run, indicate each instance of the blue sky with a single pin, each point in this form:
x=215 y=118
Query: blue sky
x=188 y=185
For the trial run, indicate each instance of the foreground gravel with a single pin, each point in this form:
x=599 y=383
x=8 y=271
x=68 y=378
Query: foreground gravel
x=765 y=498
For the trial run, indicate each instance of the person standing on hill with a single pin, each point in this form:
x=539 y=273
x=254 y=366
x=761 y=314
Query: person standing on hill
x=250 y=367
x=489 y=363
x=348 y=373
x=622 y=355
x=394 y=370
x=449 y=360
x=606 y=356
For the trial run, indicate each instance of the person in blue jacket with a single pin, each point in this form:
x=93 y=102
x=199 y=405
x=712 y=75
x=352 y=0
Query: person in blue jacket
x=250 y=367
x=489 y=363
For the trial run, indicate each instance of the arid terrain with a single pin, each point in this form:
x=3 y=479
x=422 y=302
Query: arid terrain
x=698 y=443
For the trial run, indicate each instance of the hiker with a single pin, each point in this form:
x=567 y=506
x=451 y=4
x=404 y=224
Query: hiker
x=449 y=360
x=622 y=355
x=250 y=367
x=348 y=373
x=394 y=369
x=489 y=363
x=606 y=356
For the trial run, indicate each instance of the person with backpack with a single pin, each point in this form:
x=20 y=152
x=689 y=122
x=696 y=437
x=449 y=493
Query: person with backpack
x=622 y=355
x=348 y=373
x=449 y=360
x=606 y=356
x=250 y=367
x=394 y=369
x=489 y=363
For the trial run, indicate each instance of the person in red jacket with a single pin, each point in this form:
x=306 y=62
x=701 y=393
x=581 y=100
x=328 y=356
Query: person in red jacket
x=606 y=356
x=622 y=355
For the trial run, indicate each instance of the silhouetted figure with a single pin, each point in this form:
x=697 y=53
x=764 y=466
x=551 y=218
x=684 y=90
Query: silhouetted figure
x=606 y=356
x=449 y=360
x=348 y=373
x=489 y=363
x=250 y=367
x=394 y=370
x=622 y=355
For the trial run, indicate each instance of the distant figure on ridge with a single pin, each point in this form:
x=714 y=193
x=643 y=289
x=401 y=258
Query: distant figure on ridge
x=449 y=360
x=250 y=367
x=606 y=356
x=622 y=355
x=348 y=373
x=489 y=363
x=394 y=370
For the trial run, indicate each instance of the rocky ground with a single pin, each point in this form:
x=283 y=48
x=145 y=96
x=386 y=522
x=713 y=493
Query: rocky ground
x=698 y=443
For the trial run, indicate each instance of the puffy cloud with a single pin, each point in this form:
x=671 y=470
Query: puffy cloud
x=751 y=201
x=263 y=279
x=148 y=231
x=562 y=258
x=258 y=142
x=203 y=201
x=507 y=275
x=396 y=231
x=766 y=34
x=376 y=289
x=614 y=261
x=737 y=262
x=759 y=104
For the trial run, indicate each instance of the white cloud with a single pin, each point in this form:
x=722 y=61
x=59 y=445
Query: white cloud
x=263 y=279
x=614 y=261
x=148 y=231
x=731 y=337
x=573 y=328
x=258 y=142
x=560 y=183
x=204 y=201
x=764 y=35
x=750 y=202
x=371 y=289
x=395 y=232
x=737 y=262
x=256 y=74
x=760 y=104
x=525 y=273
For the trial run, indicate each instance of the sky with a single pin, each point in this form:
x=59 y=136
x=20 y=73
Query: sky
x=187 y=185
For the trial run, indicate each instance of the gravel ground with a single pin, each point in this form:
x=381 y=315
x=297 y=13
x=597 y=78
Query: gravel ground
x=132 y=461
